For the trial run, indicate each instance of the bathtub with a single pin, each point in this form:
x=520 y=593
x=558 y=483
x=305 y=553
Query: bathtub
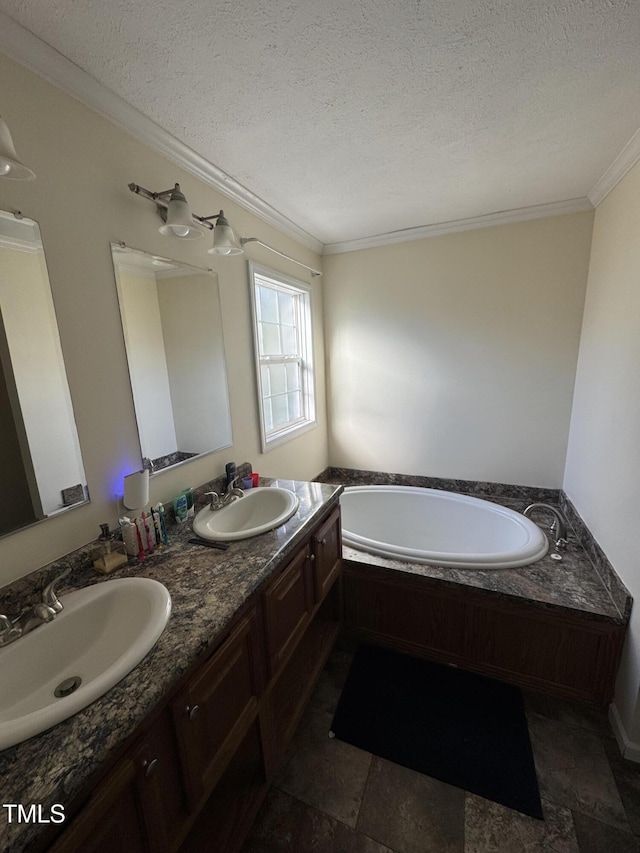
x=441 y=528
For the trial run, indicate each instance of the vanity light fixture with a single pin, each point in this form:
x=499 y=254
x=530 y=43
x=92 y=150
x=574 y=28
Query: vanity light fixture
x=179 y=221
x=10 y=166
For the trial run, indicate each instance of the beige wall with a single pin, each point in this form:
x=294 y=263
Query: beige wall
x=455 y=356
x=81 y=201
x=602 y=475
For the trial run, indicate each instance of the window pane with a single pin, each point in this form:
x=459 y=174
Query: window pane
x=280 y=410
x=294 y=405
x=266 y=384
x=268 y=305
x=293 y=377
x=270 y=339
x=289 y=340
x=268 y=415
x=278 y=377
x=287 y=309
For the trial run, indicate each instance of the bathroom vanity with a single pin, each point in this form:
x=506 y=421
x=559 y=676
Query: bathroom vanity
x=180 y=754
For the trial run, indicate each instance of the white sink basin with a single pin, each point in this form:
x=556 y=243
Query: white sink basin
x=104 y=631
x=260 y=509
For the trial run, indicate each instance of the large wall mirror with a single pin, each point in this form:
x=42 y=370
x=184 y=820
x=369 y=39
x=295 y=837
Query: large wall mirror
x=42 y=469
x=172 y=326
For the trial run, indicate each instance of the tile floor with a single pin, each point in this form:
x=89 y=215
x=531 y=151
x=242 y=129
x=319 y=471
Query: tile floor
x=331 y=797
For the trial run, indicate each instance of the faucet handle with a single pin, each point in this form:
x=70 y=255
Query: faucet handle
x=49 y=596
x=215 y=501
x=8 y=631
x=46 y=612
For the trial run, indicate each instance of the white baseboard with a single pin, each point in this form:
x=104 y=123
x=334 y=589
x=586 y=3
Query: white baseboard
x=628 y=748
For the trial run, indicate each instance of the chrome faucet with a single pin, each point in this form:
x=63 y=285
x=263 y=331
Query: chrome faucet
x=34 y=616
x=559 y=526
x=230 y=494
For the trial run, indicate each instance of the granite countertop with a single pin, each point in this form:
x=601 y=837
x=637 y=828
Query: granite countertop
x=207 y=587
x=570 y=585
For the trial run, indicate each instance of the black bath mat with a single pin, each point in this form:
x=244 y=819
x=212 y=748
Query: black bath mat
x=464 y=729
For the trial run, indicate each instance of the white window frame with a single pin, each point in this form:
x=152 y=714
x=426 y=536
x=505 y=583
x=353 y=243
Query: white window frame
x=260 y=275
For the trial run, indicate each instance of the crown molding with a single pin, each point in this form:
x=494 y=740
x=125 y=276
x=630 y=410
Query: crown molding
x=625 y=161
x=503 y=217
x=27 y=49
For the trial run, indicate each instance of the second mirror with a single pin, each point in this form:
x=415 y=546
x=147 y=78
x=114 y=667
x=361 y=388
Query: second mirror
x=172 y=326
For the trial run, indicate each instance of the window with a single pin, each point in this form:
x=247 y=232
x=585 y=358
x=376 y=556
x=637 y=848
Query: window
x=284 y=354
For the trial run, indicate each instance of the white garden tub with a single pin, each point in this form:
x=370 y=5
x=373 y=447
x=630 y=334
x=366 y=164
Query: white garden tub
x=441 y=528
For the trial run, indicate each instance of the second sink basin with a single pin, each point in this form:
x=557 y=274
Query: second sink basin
x=262 y=508
x=57 y=669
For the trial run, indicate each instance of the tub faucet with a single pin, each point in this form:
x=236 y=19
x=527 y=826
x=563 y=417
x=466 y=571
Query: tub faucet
x=559 y=526
x=34 y=616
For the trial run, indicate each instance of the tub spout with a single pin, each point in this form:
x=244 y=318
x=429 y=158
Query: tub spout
x=559 y=526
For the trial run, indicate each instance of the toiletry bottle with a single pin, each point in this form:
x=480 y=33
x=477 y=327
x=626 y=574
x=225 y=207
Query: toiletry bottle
x=157 y=530
x=163 y=524
x=109 y=553
x=230 y=474
x=129 y=536
x=141 y=554
x=180 y=508
x=149 y=539
x=188 y=493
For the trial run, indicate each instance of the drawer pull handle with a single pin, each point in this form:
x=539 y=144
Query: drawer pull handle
x=193 y=711
x=150 y=767
x=312 y=558
x=323 y=541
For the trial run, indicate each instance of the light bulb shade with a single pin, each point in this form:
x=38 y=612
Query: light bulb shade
x=10 y=166
x=179 y=221
x=225 y=241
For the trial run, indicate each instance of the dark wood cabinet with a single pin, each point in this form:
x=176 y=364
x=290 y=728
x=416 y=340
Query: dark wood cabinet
x=566 y=654
x=195 y=777
x=215 y=708
x=159 y=785
x=288 y=603
x=139 y=807
x=326 y=546
x=110 y=820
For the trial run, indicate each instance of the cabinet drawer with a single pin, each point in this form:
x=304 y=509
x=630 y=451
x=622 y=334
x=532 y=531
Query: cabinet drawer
x=214 y=710
x=288 y=602
x=327 y=553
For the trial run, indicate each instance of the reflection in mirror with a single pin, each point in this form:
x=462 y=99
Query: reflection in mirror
x=172 y=326
x=42 y=470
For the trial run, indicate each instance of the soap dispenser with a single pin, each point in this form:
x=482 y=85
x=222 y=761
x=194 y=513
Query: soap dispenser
x=109 y=554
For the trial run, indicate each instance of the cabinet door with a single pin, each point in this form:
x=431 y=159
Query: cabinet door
x=213 y=712
x=327 y=554
x=159 y=785
x=110 y=820
x=288 y=602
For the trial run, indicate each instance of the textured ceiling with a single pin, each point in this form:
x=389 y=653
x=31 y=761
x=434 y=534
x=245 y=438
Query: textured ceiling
x=369 y=116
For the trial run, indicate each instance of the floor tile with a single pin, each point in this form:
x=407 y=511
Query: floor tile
x=324 y=772
x=574 y=713
x=492 y=828
x=277 y=825
x=285 y=825
x=573 y=770
x=596 y=837
x=627 y=776
x=410 y=812
x=331 y=681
